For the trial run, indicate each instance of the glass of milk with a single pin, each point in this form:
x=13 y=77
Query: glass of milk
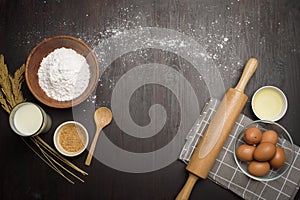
x=29 y=119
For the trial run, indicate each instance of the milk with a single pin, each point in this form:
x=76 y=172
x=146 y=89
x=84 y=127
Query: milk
x=269 y=103
x=29 y=119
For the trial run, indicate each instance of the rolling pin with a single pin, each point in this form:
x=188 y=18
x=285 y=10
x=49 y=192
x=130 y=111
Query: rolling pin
x=217 y=132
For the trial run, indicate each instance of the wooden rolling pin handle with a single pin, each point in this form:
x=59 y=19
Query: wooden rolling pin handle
x=185 y=192
x=247 y=74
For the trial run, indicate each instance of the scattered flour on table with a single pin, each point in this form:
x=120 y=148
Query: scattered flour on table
x=218 y=41
x=64 y=74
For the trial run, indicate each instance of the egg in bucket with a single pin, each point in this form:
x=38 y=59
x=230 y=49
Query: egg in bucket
x=269 y=103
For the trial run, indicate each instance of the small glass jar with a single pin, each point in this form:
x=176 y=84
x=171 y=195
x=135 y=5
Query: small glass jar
x=29 y=119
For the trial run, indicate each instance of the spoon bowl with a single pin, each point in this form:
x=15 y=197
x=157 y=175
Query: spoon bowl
x=102 y=117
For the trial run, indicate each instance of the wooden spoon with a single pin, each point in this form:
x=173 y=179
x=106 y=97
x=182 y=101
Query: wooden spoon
x=102 y=117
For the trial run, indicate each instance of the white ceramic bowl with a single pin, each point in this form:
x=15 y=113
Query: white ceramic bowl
x=79 y=129
x=269 y=103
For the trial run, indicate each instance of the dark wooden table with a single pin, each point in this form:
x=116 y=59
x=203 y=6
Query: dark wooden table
x=229 y=32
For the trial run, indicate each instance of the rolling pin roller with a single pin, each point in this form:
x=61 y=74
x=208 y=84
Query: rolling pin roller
x=218 y=130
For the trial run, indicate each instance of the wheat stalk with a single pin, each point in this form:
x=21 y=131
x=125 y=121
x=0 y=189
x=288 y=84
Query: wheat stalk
x=10 y=95
x=16 y=84
x=52 y=160
x=4 y=103
x=45 y=160
x=56 y=154
x=5 y=84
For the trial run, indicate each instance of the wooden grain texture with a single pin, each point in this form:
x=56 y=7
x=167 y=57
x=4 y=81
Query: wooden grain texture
x=218 y=130
x=221 y=124
x=43 y=49
x=185 y=192
x=231 y=31
x=102 y=118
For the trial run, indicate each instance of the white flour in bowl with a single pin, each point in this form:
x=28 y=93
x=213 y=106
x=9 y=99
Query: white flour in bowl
x=64 y=74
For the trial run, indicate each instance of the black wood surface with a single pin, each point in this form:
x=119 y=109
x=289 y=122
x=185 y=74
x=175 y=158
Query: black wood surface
x=231 y=31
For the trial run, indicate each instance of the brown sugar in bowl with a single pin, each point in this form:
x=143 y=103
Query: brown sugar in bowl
x=42 y=50
x=71 y=138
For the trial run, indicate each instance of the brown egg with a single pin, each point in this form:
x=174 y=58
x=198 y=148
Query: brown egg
x=278 y=159
x=252 y=135
x=264 y=151
x=269 y=136
x=258 y=168
x=245 y=152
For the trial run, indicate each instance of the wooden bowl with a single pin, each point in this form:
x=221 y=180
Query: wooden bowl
x=42 y=50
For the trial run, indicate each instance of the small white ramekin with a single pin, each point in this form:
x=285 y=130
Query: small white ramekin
x=282 y=96
x=58 y=145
